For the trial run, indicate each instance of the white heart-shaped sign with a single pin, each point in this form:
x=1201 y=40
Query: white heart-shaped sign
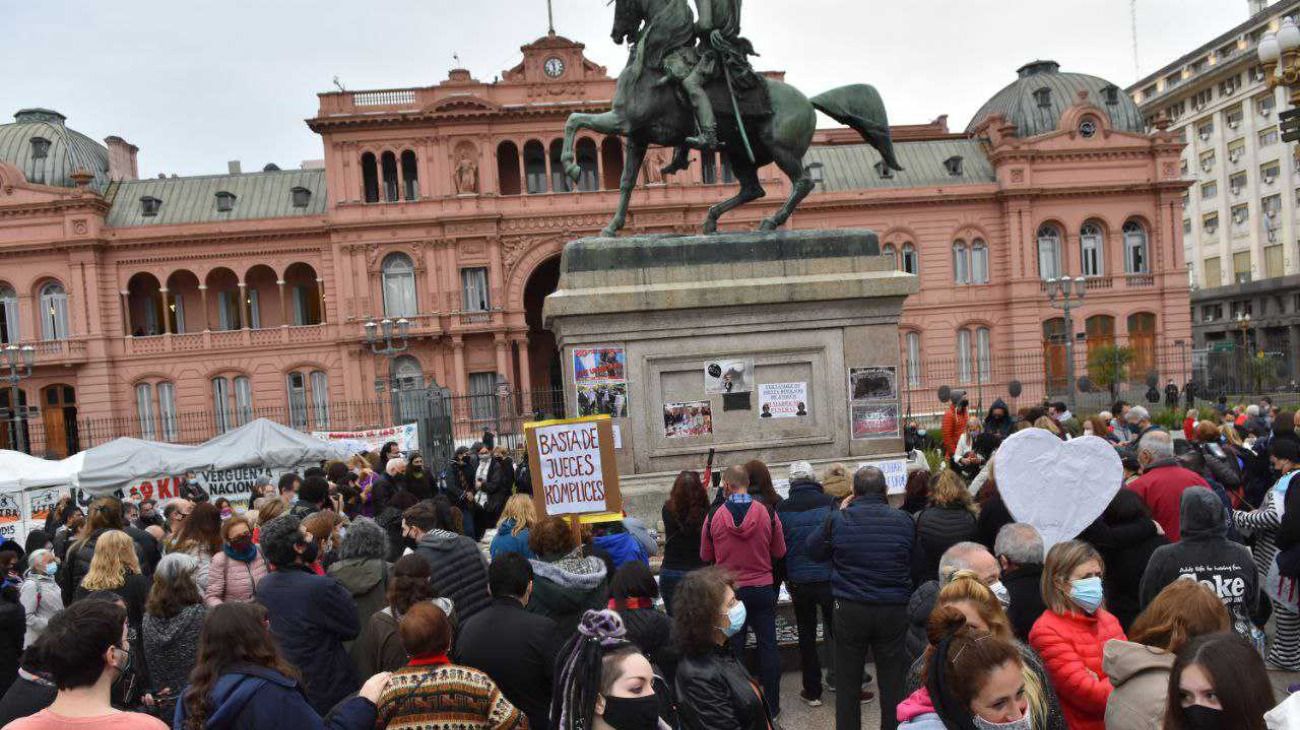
x=1057 y=486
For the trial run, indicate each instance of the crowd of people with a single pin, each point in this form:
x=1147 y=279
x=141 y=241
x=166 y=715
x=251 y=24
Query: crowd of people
x=379 y=593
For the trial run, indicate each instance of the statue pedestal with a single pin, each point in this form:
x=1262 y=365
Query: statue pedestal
x=799 y=308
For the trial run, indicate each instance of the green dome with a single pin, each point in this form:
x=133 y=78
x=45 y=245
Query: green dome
x=1035 y=101
x=40 y=144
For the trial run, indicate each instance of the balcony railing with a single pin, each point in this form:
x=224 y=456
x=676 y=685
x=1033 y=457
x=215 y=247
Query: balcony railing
x=224 y=339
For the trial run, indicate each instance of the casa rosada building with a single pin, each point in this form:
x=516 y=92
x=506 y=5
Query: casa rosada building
x=174 y=308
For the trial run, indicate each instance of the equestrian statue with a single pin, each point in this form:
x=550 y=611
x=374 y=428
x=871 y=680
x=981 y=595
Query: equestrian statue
x=688 y=84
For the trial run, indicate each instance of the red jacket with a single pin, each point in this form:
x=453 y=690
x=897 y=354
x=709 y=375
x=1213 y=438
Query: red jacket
x=1161 y=487
x=747 y=549
x=954 y=422
x=1071 y=645
x=1189 y=428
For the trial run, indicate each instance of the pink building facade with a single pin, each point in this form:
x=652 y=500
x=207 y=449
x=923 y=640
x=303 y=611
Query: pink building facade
x=176 y=308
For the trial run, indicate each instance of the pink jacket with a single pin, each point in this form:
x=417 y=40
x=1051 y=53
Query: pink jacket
x=747 y=549
x=233 y=580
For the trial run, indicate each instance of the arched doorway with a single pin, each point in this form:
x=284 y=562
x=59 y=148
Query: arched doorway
x=59 y=414
x=1054 y=354
x=546 y=376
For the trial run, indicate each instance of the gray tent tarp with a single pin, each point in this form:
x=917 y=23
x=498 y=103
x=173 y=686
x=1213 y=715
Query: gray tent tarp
x=260 y=443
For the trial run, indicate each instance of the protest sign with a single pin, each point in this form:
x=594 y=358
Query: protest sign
x=895 y=471
x=1059 y=487
x=575 y=468
x=235 y=484
x=782 y=400
x=407 y=437
x=11 y=518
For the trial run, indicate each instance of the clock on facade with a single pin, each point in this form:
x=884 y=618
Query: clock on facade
x=554 y=67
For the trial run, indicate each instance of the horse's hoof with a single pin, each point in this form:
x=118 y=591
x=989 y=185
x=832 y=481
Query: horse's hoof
x=609 y=232
x=767 y=225
x=710 y=226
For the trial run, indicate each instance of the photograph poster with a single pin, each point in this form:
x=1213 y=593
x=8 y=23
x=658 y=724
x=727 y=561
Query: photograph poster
x=782 y=400
x=729 y=376
x=688 y=419
x=876 y=383
x=600 y=381
x=874 y=420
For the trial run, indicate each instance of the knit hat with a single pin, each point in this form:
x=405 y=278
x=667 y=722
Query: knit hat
x=802 y=470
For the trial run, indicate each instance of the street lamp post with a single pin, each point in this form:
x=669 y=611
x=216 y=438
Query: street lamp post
x=1066 y=294
x=1280 y=55
x=389 y=341
x=1243 y=324
x=18 y=362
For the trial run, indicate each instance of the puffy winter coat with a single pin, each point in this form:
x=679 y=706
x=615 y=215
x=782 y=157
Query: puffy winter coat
x=938 y=528
x=233 y=580
x=459 y=570
x=1071 y=647
x=869 y=545
x=1140 y=677
x=565 y=587
x=41 y=599
x=954 y=422
x=506 y=542
x=802 y=514
x=366 y=580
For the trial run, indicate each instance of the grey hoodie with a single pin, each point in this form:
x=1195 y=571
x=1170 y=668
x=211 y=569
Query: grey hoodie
x=1207 y=555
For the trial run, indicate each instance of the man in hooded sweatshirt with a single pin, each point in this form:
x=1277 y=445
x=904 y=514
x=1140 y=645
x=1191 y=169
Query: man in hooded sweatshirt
x=1206 y=554
x=999 y=422
x=432 y=529
x=744 y=536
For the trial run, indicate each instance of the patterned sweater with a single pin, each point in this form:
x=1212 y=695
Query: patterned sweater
x=446 y=697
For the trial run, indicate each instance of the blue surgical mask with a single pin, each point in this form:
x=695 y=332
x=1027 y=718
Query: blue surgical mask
x=1087 y=593
x=1001 y=593
x=736 y=617
x=51 y=568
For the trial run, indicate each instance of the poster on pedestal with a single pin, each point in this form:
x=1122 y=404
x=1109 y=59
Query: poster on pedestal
x=575 y=470
x=874 y=420
x=600 y=381
x=782 y=400
x=729 y=376
x=686 y=419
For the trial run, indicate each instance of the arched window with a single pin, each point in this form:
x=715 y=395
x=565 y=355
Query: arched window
x=388 y=169
x=913 y=341
x=1091 y=249
x=243 y=400
x=963 y=356
x=320 y=398
x=399 y=286
x=1049 y=252
x=611 y=162
x=559 y=181
x=369 y=178
x=167 y=411
x=911 y=262
x=589 y=181
x=960 y=263
x=297 y=386
x=508 y=168
x=144 y=410
x=535 y=167
x=410 y=177
x=54 y=312
x=221 y=404
x=979 y=262
x=1135 y=248
x=409 y=386
x=9 y=331
x=983 y=354
x=892 y=252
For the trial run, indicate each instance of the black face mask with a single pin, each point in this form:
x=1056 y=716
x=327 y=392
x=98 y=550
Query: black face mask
x=409 y=542
x=632 y=713
x=1200 y=717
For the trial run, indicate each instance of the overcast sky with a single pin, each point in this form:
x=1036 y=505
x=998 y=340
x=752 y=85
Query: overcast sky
x=195 y=83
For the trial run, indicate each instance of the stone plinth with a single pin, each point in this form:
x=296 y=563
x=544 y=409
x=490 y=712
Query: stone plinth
x=804 y=306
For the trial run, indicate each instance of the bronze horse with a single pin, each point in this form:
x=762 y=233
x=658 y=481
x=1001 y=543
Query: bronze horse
x=647 y=109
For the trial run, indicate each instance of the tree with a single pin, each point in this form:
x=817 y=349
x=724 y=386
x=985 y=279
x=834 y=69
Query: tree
x=1108 y=366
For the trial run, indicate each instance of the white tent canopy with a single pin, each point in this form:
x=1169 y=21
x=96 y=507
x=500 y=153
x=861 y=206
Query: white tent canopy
x=268 y=444
x=15 y=467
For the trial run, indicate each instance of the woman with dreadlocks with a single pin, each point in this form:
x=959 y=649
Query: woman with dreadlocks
x=605 y=682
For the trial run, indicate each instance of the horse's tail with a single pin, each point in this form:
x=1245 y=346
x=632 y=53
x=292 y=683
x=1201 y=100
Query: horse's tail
x=859 y=106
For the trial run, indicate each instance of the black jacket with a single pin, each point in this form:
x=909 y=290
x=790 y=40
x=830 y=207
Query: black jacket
x=681 y=541
x=714 y=692
x=146 y=548
x=1024 y=585
x=1125 y=548
x=500 y=480
x=517 y=649
x=937 y=529
x=76 y=564
x=192 y=491
x=999 y=426
x=28 y=695
x=459 y=571
x=993 y=516
x=420 y=485
x=13 y=628
x=651 y=630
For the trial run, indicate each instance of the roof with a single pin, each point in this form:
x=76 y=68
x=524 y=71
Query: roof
x=853 y=167
x=1017 y=101
x=69 y=150
x=194 y=199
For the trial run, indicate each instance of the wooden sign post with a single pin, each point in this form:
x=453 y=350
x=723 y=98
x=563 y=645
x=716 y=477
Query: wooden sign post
x=574 y=468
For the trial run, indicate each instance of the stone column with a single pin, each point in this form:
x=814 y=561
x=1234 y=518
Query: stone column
x=503 y=355
x=284 y=306
x=245 y=307
x=203 y=297
x=126 y=312
x=166 y=313
x=458 y=351
x=320 y=290
x=525 y=382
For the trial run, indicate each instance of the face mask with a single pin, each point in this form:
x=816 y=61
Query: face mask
x=1200 y=717
x=125 y=666
x=1087 y=593
x=241 y=543
x=225 y=514
x=310 y=552
x=1003 y=595
x=51 y=568
x=736 y=618
x=1024 y=723
x=632 y=713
